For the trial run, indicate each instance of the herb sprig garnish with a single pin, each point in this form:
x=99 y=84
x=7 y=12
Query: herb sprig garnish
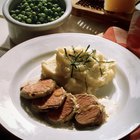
x=83 y=58
x=77 y=58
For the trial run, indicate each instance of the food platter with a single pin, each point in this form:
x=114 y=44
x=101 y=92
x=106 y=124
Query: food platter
x=23 y=63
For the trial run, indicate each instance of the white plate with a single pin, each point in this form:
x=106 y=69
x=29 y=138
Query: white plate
x=23 y=62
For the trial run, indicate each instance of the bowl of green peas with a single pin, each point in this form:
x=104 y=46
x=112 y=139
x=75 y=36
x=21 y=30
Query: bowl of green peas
x=30 y=18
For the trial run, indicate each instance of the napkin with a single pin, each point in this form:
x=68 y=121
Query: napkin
x=116 y=35
x=131 y=40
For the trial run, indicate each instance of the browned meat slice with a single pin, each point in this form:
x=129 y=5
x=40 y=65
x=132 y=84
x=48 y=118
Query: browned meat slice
x=84 y=100
x=90 y=116
x=38 y=89
x=65 y=112
x=54 y=100
x=90 y=111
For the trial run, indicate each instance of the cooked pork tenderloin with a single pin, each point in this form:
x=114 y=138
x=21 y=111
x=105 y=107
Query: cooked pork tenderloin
x=90 y=111
x=90 y=116
x=39 y=89
x=65 y=112
x=84 y=100
x=54 y=100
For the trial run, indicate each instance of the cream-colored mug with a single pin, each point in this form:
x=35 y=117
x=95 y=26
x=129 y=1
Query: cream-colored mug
x=120 y=6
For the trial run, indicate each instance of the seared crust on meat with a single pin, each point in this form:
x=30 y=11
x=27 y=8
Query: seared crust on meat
x=38 y=89
x=65 y=112
x=54 y=100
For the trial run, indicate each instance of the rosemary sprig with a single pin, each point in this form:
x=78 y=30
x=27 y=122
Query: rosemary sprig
x=101 y=72
x=87 y=48
x=106 y=61
x=82 y=58
x=78 y=58
x=73 y=65
x=74 y=52
x=65 y=50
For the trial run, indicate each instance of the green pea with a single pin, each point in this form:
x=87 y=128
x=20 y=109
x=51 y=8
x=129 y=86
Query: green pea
x=53 y=9
x=31 y=5
x=42 y=15
x=49 y=5
x=50 y=12
x=28 y=9
x=41 y=19
x=62 y=12
x=46 y=11
x=13 y=15
x=17 y=11
x=58 y=9
x=35 y=8
x=56 y=14
x=28 y=20
x=28 y=13
x=24 y=18
x=20 y=15
x=34 y=13
x=12 y=12
x=19 y=19
x=55 y=5
x=57 y=17
x=16 y=17
x=23 y=12
x=25 y=4
x=40 y=5
x=49 y=18
x=52 y=19
x=45 y=4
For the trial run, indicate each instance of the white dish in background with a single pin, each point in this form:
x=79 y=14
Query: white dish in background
x=23 y=63
x=19 y=32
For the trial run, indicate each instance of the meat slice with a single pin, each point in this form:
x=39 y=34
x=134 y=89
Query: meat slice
x=84 y=100
x=90 y=116
x=39 y=89
x=54 y=100
x=90 y=111
x=65 y=112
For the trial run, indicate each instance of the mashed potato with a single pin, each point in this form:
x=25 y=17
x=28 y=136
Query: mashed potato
x=79 y=69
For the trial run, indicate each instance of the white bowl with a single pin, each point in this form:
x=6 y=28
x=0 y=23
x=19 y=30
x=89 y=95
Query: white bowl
x=19 y=32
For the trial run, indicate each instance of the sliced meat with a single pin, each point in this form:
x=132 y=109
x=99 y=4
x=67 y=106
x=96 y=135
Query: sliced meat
x=54 y=100
x=90 y=112
x=84 y=100
x=65 y=112
x=38 y=89
x=90 y=116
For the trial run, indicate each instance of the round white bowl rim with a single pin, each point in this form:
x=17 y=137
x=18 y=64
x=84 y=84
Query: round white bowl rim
x=5 y=10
